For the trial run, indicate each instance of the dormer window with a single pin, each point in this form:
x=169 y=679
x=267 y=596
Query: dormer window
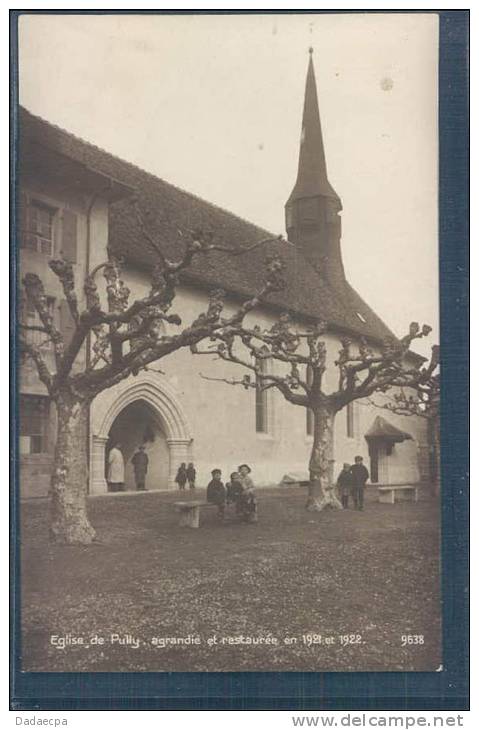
x=360 y=316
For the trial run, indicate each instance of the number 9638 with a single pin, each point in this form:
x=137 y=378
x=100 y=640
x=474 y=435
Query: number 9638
x=408 y=639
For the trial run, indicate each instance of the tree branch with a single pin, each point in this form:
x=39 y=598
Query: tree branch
x=32 y=351
x=199 y=243
x=64 y=271
x=36 y=295
x=33 y=328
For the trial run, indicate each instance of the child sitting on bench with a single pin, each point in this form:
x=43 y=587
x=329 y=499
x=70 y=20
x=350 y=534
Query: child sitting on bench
x=216 y=492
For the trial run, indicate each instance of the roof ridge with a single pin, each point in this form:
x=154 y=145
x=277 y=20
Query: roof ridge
x=152 y=175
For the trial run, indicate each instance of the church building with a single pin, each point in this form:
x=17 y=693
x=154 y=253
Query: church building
x=76 y=200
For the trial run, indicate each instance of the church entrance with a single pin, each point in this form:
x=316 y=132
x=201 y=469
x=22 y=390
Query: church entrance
x=378 y=454
x=138 y=425
x=142 y=410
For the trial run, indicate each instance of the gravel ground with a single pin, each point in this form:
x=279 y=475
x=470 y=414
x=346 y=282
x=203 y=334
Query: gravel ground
x=297 y=591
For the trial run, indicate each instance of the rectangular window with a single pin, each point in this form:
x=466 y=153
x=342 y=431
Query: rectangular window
x=30 y=317
x=261 y=400
x=38 y=235
x=309 y=412
x=350 y=420
x=33 y=424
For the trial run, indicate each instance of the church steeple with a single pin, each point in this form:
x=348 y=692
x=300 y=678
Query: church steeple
x=312 y=210
x=312 y=172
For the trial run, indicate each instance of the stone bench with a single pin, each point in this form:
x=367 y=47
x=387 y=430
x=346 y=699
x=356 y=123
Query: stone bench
x=295 y=479
x=190 y=512
x=387 y=494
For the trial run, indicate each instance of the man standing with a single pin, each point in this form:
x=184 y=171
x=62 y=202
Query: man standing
x=359 y=477
x=116 y=470
x=140 y=465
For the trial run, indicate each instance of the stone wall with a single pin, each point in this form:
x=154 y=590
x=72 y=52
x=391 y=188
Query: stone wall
x=35 y=472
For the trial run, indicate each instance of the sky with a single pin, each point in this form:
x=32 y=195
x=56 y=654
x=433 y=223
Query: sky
x=213 y=104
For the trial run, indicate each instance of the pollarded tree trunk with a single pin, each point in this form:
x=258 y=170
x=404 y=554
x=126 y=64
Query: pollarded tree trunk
x=321 y=487
x=69 y=519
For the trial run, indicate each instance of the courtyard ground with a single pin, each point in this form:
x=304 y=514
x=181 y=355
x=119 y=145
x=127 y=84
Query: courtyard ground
x=293 y=575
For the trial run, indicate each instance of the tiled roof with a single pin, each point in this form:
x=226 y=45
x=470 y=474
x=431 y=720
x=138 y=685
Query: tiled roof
x=171 y=212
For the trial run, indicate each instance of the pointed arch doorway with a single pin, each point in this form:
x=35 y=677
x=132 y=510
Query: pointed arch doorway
x=141 y=410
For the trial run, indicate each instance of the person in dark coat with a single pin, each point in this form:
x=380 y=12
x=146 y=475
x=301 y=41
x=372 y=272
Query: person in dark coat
x=234 y=490
x=216 y=492
x=181 y=477
x=359 y=477
x=140 y=466
x=344 y=484
x=191 y=475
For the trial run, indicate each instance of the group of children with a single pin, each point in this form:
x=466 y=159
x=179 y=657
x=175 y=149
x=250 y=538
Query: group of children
x=239 y=492
x=186 y=474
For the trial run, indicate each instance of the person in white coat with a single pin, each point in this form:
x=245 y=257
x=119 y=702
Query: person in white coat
x=116 y=470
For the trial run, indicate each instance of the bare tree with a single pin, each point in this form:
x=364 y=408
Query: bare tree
x=296 y=362
x=121 y=339
x=422 y=399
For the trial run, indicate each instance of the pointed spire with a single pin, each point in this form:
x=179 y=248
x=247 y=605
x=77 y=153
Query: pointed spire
x=313 y=220
x=312 y=177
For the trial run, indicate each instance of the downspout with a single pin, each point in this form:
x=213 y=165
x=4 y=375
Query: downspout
x=89 y=211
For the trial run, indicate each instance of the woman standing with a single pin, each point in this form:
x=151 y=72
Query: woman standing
x=116 y=470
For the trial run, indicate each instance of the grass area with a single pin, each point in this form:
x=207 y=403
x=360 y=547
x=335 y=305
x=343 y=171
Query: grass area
x=373 y=573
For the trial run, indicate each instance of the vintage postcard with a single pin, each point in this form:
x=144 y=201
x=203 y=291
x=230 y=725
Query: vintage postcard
x=228 y=342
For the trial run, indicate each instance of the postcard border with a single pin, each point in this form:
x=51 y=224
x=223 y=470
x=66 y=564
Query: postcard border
x=444 y=690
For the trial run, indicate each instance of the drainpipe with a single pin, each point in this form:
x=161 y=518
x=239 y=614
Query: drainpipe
x=89 y=211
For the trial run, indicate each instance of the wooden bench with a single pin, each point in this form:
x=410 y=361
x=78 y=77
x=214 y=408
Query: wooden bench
x=190 y=512
x=387 y=494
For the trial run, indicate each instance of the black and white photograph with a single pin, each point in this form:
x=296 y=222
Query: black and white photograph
x=228 y=329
